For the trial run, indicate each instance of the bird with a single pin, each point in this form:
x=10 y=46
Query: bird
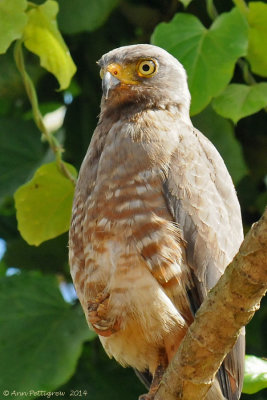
x=155 y=219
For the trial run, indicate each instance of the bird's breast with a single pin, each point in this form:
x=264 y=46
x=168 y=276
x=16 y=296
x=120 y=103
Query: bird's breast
x=127 y=222
x=127 y=207
x=132 y=249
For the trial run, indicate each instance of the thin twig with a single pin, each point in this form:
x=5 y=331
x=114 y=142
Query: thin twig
x=38 y=118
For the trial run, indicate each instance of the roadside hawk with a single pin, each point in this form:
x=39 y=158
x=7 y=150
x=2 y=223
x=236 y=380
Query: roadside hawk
x=155 y=218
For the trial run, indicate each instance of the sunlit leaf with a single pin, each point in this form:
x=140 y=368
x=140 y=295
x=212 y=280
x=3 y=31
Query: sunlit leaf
x=239 y=101
x=255 y=378
x=12 y=21
x=41 y=335
x=83 y=15
x=257 y=54
x=44 y=204
x=208 y=55
x=42 y=37
x=221 y=134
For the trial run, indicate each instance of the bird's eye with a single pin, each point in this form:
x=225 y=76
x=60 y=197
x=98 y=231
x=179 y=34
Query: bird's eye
x=146 y=68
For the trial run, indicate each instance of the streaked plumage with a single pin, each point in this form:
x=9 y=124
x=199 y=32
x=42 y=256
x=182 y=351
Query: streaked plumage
x=155 y=217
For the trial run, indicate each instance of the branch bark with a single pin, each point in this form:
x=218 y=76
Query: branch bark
x=229 y=306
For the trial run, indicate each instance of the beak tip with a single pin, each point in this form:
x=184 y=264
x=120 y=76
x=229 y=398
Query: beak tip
x=109 y=82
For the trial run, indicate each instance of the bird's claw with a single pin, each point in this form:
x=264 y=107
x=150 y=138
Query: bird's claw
x=97 y=316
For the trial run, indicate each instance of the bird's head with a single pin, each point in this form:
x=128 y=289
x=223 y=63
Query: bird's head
x=143 y=74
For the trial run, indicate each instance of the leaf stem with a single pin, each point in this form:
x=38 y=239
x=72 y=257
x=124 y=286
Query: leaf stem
x=242 y=6
x=211 y=10
x=248 y=77
x=38 y=118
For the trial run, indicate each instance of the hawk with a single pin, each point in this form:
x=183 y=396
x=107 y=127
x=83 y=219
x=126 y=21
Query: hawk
x=155 y=218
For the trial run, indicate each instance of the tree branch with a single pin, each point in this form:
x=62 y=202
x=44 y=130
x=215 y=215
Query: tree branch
x=229 y=306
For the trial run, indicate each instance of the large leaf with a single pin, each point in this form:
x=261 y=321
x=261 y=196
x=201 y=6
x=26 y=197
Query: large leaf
x=255 y=378
x=208 y=55
x=50 y=257
x=257 y=54
x=11 y=86
x=221 y=134
x=103 y=378
x=239 y=101
x=42 y=37
x=83 y=15
x=44 y=204
x=21 y=152
x=41 y=335
x=13 y=20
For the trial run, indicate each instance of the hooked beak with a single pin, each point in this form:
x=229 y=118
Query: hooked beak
x=108 y=82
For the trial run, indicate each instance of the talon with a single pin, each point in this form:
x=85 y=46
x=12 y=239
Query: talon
x=102 y=331
x=97 y=316
x=93 y=317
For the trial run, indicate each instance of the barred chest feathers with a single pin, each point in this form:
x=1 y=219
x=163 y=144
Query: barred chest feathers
x=134 y=251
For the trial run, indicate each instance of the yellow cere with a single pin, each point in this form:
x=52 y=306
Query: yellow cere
x=125 y=73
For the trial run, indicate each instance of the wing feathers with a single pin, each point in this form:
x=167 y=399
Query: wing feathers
x=202 y=200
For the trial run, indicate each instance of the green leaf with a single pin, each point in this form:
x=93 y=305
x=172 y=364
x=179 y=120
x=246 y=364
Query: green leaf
x=11 y=86
x=257 y=55
x=13 y=20
x=42 y=37
x=255 y=378
x=208 y=55
x=50 y=257
x=41 y=335
x=102 y=378
x=239 y=101
x=21 y=152
x=44 y=204
x=83 y=15
x=221 y=133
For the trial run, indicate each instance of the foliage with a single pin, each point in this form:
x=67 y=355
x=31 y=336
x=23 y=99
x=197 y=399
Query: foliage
x=221 y=46
x=13 y=20
x=238 y=101
x=51 y=333
x=208 y=55
x=44 y=205
x=255 y=374
x=42 y=37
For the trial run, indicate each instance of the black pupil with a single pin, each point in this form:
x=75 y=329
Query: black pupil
x=146 y=67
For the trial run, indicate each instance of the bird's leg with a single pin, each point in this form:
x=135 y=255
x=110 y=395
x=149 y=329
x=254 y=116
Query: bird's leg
x=162 y=365
x=98 y=315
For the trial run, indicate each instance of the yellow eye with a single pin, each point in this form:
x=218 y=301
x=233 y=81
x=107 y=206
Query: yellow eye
x=146 y=68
